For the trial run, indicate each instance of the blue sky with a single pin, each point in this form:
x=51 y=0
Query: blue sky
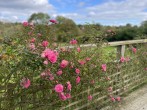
x=106 y=12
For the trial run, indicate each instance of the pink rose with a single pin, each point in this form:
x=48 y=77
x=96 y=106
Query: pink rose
x=88 y=59
x=78 y=80
x=69 y=86
x=64 y=63
x=118 y=99
x=51 y=77
x=59 y=88
x=45 y=43
x=25 y=83
x=68 y=95
x=53 y=21
x=103 y=67
x=122 y=59
x=62 y=96
x=50 y=55
x=134 y=50
x=112 y=99
x=52 y=58
x=45 y=62
x=59 y=72
x=78 y=49
x=73 y=42
x=77 y=70
x=25 y=24
x=82 y=62
x=32 y=40
x=90 y=97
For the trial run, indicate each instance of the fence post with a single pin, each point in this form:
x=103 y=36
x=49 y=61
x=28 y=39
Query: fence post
x=120 y=51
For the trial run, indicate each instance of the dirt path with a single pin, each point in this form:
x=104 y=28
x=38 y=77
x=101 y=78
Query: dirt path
x=137 y=100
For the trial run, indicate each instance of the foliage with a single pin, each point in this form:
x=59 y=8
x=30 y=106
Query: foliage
x=39 y=74
x=37 y=62
x=39 y=18
x=66 y=29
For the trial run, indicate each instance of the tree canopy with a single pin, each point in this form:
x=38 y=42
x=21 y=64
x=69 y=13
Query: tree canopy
x=39 y=18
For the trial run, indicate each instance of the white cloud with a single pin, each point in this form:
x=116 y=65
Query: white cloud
x=23 y=8
x=69 y=15
x=91 y=13
x=124 y=11
x=15 y=17
x=109 y=11
x=128 y=9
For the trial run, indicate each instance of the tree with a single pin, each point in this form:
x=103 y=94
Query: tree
x=39 y=18
x=143 y=27
x=67 y=28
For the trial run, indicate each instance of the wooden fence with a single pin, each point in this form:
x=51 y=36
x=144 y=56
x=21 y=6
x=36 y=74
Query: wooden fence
x=121 y=81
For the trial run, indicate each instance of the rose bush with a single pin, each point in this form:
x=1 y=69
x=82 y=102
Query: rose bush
x=50 y=75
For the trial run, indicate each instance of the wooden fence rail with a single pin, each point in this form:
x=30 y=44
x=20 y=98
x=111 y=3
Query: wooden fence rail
x=119 y=44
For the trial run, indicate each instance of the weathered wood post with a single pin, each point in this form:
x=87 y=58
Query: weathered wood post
x=120 y=53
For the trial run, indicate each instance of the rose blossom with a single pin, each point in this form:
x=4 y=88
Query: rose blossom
x=59 y=72
x=69 y=86
x=25 y=83
x=25 y=24
x=50 y=55
x=82 y=62
x=64 y=63
x=78 y=49
x=77 y=70
x=45 y=62
x=45 y=43
x=112 y=99
x=78 y=79
x=53 y=21
x=88 y=59
x=73 y=41
x=134 y=50
x=90 y=97
x=32 y=40
x=118 y=99
x=122 y=59
x=59 y=88
x=68 y=95
x=62 y=96
x=103 y=67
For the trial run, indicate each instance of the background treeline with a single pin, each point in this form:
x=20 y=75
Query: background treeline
x=66 y=29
